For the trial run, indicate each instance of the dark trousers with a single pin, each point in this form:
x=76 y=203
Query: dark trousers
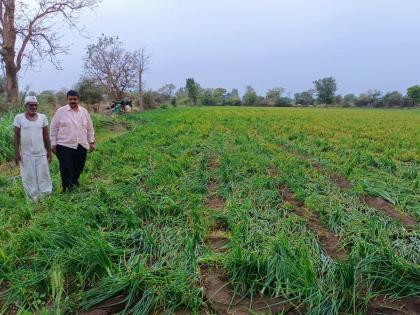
x=72 y=162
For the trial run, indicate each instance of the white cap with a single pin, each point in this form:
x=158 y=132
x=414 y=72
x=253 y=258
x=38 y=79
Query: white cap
x=30 y=99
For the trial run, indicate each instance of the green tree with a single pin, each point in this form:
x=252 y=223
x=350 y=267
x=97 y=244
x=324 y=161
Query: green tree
x=207 y=97
x=192 y=90
x=326 y=88
x=305 y=98
x=392 y=99
x=219 y=95
x=47 y=98
x=413 y=94
x=232 y=98
x=90 y=92
x=250 y=97
x=371 y=99
x=274 y=93
x=349 y=100
x=283 y=102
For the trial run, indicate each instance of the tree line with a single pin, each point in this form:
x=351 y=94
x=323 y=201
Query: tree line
x=111 y=72
x=322 y=94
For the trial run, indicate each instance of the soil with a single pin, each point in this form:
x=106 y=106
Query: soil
x=212 y=187
x=389 y=209
x=217 y=244
x=406 y=306
x=273 y=172
x=340 y=181
x=213 y=163
x=111 y=306
x=215 y=203
x=217 y=240
x=221 y=298
x=329 y=241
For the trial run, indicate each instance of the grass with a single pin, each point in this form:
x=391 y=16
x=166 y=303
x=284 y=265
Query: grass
x=138 y=224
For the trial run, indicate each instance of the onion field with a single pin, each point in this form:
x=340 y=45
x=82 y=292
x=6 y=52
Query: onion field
x=224 y=210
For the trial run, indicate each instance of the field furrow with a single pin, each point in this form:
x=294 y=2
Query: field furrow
x=227 y=211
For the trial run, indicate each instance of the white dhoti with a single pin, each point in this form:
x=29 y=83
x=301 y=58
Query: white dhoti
x=35 y=175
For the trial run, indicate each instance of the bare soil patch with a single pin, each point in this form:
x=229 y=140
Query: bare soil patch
x=407 y=306
x=217 y=241
x=215 y=203
x=222 y=300
x=328 y=240
x=213 y=163
x=340 y=181
x=110 y=306
x=389 y=209
x=212 y=187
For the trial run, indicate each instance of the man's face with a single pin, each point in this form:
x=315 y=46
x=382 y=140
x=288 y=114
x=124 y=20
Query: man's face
x=31 y=108
x=73 y=101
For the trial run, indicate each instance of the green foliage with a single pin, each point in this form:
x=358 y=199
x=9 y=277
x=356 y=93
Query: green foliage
x=250 y=98
x=90 y=92
x=192 y=90
x=326 y=88
x=274 y=94
x=305 y=98
x=393 y=99
x=413 y=94
x=371 y=98
x=149 y=99
x=349 y=100
x=207 y=98
x=283 y=102
x=7 y=134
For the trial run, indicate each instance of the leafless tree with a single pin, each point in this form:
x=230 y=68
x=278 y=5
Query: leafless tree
x=167 y=90
x=29 y=32
x=110 y=65
x=143 y=64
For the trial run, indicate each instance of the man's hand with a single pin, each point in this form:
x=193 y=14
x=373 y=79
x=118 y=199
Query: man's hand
x=54 y=149
x=17 y=159
x=91 y=147
x=49 y=156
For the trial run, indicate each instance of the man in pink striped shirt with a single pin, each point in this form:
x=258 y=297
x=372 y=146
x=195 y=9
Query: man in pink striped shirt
x=71 y=135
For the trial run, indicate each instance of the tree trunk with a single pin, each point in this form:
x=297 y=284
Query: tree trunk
x=8 y=53
x=12 y=87
x=141 y=91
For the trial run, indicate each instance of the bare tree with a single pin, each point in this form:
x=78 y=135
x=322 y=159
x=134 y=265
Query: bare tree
x=143 y=64
x=28 y=32
x=112 y=66
x=167 y=90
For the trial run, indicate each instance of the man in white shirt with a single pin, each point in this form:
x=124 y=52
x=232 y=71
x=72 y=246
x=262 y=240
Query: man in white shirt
x=33 y=150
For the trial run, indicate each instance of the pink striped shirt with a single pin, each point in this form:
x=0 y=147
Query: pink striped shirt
x=70 y=127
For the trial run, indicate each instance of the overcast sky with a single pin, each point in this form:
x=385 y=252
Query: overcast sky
x=364 y=44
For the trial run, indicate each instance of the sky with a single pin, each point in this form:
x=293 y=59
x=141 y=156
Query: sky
x=364 y=44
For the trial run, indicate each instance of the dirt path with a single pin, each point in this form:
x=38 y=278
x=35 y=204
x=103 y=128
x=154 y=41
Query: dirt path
x=328 y=240
x=218 y=290
x=407 y=306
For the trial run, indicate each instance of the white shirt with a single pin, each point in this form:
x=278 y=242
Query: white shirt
x=31 y=136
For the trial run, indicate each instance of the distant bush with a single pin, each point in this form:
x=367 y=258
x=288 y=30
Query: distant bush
x=413 y=94
x=6 y=139
x=283 y=102
x=305 y=98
